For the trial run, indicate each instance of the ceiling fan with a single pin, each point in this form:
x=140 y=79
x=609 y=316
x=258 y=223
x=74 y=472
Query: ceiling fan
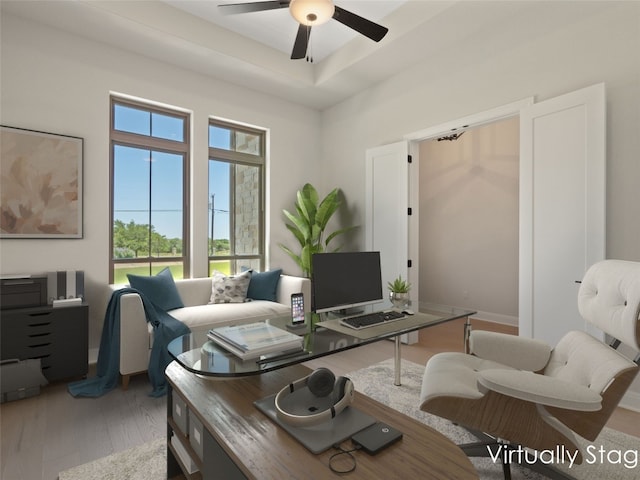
x=309 y=13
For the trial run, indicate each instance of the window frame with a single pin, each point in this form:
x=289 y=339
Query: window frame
x=240 y=158
x=153 y=144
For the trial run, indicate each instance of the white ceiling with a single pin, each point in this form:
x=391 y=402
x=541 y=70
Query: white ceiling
x=277 y=28
x=191 y=35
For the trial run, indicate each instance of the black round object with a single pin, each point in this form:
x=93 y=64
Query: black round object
x=321 y=382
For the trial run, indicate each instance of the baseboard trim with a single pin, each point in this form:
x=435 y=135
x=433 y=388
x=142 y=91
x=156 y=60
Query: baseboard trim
x=485 y=316
x=93 y=356
x=497 y=318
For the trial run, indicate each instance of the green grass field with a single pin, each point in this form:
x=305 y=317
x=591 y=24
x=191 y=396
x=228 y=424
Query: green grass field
x=120 y=274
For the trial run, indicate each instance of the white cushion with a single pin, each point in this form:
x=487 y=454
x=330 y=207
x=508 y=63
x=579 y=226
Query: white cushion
x=536 y=388
x=581 y=359
x=454 y=374
x=201 y=318
x=227 y=313
x=517 y=352
x=609 y=298
x=194 y=291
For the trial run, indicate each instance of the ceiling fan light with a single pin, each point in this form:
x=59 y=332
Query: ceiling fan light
x=311 y=12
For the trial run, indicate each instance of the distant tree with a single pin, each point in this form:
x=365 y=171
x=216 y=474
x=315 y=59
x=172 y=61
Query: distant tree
x=219 y=246
x=119 y=235
x=159 y=243
x=120 y=252
x=132 y=240
x=223 y=245
x=131 y=236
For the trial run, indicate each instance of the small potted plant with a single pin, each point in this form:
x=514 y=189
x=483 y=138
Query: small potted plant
x=399 y=292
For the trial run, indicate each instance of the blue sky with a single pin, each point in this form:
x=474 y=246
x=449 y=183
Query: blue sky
x=135 y=168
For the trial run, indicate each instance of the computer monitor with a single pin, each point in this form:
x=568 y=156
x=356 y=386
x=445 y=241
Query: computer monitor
x=345 y=279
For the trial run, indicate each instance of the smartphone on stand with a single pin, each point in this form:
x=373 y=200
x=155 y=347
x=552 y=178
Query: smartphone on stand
x=297 y=311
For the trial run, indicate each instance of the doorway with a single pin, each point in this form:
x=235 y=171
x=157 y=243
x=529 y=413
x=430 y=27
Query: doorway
x=482 y=133
x=562 y=215
x=468 y=219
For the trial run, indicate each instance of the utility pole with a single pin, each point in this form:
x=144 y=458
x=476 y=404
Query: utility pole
x=212 y=205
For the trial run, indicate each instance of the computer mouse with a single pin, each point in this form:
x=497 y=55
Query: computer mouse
x=406 y=311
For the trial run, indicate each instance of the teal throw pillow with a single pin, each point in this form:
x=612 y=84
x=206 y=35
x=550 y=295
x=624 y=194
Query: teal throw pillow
x=263 y=285
x=160 y=289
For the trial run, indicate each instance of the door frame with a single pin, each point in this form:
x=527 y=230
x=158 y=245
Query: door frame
x=465 y=123
x=471 y=121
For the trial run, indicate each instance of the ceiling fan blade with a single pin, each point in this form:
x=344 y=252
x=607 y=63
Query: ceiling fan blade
x=233 y=8
x=366 y=27
x=301 y=43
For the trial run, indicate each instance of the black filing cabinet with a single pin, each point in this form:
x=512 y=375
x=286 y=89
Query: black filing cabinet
x=59 y=337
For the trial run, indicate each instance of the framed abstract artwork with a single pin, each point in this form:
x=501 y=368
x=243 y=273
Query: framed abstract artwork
x=40 y=184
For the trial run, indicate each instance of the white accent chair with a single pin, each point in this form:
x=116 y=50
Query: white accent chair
x=516 y=392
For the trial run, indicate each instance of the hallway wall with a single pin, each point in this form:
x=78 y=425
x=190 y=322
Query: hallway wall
x=469 y=221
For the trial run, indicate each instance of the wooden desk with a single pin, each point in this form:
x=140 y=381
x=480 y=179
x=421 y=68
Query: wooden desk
x=236 y=440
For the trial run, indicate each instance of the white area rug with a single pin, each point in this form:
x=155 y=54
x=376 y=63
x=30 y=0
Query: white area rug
x=144 y=462
x=148 y=461
x=376 y=381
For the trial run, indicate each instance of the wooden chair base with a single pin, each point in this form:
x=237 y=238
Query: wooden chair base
x=518 y=420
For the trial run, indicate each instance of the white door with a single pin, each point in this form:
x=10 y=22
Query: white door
x=562 y=208
x=387 y=201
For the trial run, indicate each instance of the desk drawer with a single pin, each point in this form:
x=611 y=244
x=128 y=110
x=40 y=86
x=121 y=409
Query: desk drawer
x=180 y=413
x=196 y=435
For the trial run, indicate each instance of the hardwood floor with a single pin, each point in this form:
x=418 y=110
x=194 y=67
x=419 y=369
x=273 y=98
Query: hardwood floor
x=43 y=435
x=46 y=434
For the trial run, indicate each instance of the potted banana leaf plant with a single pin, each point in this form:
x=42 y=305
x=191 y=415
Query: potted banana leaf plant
x=309 y=223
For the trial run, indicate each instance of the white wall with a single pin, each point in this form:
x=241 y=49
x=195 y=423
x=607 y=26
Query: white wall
x=58 y=83
x=481 y=75
x=540 y=56
x=469 y=221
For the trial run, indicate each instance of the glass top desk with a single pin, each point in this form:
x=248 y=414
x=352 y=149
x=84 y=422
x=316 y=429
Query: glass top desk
x=324 y=336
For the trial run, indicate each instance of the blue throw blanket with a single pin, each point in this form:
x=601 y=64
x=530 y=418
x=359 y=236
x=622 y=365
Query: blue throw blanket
x=165 y=329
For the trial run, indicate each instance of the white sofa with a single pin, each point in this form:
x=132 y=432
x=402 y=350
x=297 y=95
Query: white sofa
x=136 y=335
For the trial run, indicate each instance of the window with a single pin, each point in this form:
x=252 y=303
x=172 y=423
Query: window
x=149 y=190
x=236 y=198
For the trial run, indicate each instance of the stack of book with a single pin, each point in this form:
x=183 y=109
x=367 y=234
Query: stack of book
x=254 y=340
